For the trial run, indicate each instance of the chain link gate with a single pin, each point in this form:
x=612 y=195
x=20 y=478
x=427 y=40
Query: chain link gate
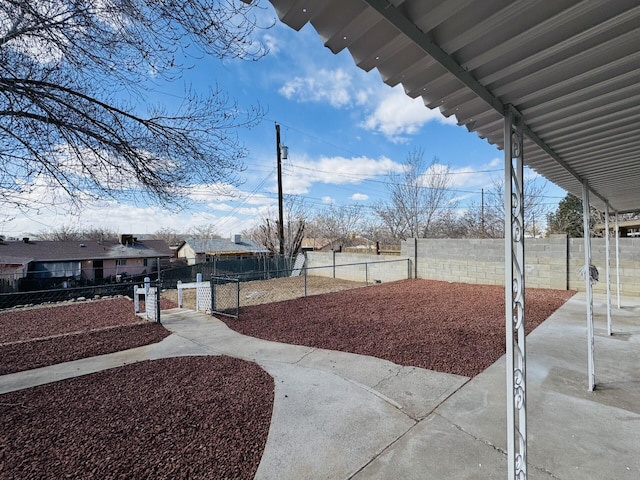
x=225 y=296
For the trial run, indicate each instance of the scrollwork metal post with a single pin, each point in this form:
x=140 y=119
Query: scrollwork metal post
x=514 y=295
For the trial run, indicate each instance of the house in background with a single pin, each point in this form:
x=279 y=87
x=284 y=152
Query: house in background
x=195 y=250
x=34 y=264
x=316 y=244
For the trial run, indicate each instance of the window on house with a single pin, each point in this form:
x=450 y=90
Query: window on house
x=121 y=261
x=145 y=262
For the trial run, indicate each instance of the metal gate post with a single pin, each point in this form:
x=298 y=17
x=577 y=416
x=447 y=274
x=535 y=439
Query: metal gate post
x=213 y=294
x=237 y=298
x=588 y=285
x=514 y=295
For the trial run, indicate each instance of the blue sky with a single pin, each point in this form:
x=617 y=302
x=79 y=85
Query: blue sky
x=344 y=128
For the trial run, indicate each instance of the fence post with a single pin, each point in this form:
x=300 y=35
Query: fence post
x=158 y=302
x=179 y=293
x=415 y=257
x=366 y=273
x=238 y=298
x=409 y=268
x=136 y=300
x=305 y=282
x=147 y=286
x=198 y=282
x=334 y=264
x=158 y=293
x=213 y=294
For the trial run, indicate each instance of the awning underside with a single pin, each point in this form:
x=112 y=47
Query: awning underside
x=571 y=68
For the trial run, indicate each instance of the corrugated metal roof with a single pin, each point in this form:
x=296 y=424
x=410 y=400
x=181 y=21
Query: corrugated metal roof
x=571 y=68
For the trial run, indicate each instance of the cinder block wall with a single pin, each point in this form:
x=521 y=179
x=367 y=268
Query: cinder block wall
x=350 y=266
x=549 y=262
x=552 y=262
x=629 y=264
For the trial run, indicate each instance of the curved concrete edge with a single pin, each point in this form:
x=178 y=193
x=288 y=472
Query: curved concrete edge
x=324 y=426
x=416 y=391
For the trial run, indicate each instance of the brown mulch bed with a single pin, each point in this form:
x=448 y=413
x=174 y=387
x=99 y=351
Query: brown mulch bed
x=17 y=357
x=187 y=417
x=449 y=327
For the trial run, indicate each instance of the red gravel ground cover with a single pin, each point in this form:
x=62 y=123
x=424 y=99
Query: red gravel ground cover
x=449 y=327
x=17 y=357
x=46 y=335
x=37 y=322
x=179 y=418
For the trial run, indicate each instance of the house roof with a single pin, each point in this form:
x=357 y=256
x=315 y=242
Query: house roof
x=569 y=67
x=58 y=251
x=224 y=246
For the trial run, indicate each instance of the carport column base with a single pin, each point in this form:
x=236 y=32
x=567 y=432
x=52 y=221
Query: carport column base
x=514 y=295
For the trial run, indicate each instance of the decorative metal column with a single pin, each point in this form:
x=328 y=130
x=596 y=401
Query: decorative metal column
x=588 y=286
x=607 y=242
x=617 y=261
x=514 y=295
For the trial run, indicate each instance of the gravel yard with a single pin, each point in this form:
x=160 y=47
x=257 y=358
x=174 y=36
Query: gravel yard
x=179 y=418
x=208 y=417
x=449 y=327
x=259 y=292
x=46 y=335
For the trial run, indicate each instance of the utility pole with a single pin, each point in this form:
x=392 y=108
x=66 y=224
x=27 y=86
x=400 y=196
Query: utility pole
x=280 y=214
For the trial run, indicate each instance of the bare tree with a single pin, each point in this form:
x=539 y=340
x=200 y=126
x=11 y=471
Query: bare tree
x=63 y=233
x=486 y=219
x=420 y=198
x=169 y=235
x=75 y=114
x=339 y=224
x=266 y=233
x=101 y=234
x=204 y=232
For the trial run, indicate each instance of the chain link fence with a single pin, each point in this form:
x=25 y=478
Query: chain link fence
x=39 y=297
x=231 y=293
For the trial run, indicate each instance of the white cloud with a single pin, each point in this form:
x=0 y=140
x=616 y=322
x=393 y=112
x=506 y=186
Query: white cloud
x=271 y=42
x=328 y=200
x=359 y=197
x=335 y=87
x=476 y=176
x=397 y=114
x=298 y=178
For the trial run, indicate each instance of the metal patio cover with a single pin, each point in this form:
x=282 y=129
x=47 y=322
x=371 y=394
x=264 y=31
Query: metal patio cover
x=571 y=68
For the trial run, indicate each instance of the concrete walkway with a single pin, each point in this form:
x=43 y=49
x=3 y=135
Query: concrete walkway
x=339 y=416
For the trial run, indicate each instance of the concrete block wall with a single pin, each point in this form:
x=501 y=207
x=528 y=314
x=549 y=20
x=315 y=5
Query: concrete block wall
x=351 y=266
x=549 y=262
x=629 y=265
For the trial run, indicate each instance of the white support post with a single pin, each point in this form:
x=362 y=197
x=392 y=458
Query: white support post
x=514 y=296
x=136 y=299
x=617 y=261
x=179 y=285
x=588 y=286
x=607 y=267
